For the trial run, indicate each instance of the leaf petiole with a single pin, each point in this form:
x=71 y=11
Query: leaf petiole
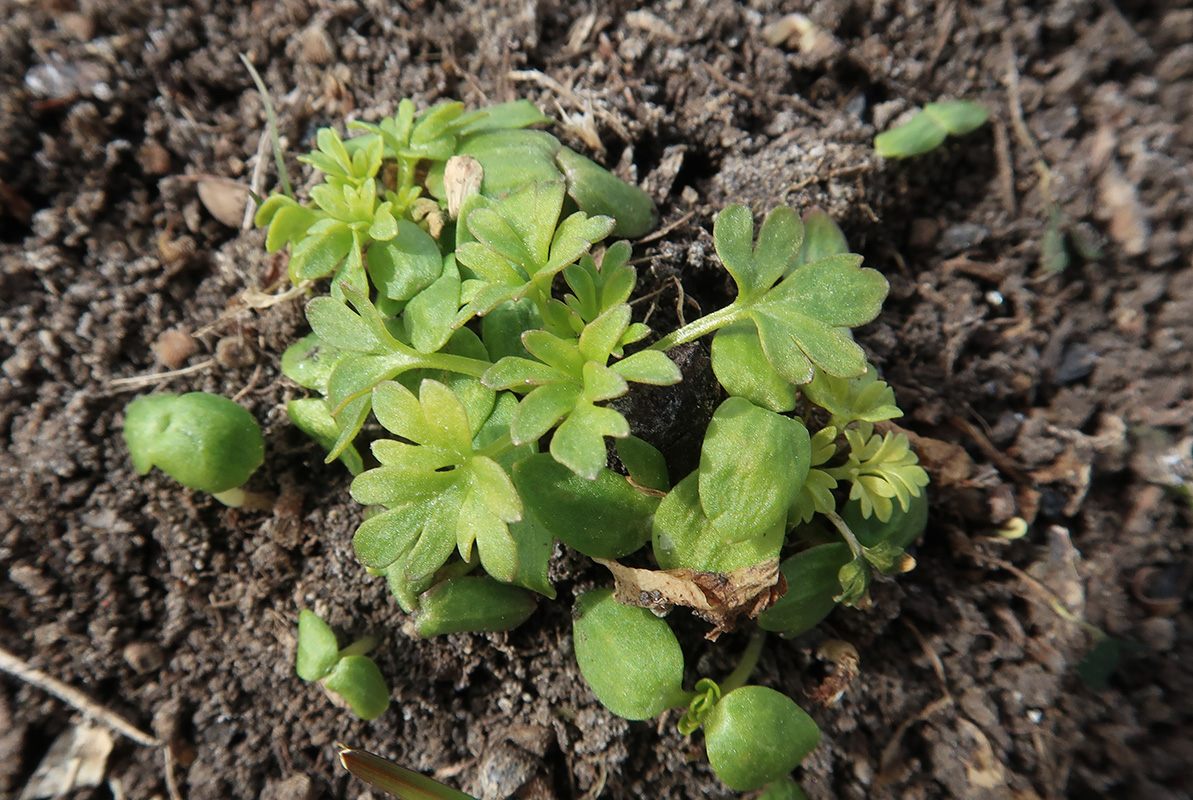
x=749 y=660
x=697 y=328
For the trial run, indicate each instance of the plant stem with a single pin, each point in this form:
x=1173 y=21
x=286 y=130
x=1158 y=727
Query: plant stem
x=697 y=328
x=498 y=447
x=844 y=530
x=360 y=647
x=446 y=361
x=749 y=660
x=271 y=118
x=240 y=498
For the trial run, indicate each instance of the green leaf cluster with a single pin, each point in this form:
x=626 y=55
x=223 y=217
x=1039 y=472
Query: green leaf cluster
x=485 y=327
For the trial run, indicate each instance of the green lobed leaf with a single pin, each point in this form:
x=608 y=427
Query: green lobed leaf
x=318 y=651
x=387 y=537
x=358 y=680
x=629 y=657
x=756 y=267
x=864 y=398
x=472 y=605
x=752 y=464
x=310 y=361
x=337 y=325
x=318 y=253
x=602 y=334
x=579 y=442
x=602 y=518
x=805 y=319
x=650 y=367
x=540 y=410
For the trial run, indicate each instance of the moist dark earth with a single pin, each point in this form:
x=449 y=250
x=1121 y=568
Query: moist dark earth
x=1063 y=396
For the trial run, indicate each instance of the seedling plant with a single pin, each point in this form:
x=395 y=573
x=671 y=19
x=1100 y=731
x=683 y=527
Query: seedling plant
x=467 y=362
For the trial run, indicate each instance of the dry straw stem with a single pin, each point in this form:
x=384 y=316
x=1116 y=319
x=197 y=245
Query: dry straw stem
x=73 y=697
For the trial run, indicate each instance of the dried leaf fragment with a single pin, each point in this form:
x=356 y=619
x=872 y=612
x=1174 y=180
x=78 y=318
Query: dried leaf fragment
x=77 y=759
x=716 y=597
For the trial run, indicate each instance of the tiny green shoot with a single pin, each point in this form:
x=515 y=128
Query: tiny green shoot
x=349 y=672
x=928 y=129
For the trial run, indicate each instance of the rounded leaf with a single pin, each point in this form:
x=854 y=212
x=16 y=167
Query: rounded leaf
x=358 y=680
x=201 y=440
x=756 y=735
x=602 y=518
x=317 y=649
x=752 y=465
x=629 y=657
x=812 y=583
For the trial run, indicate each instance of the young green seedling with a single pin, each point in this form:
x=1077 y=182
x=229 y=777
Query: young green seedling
x=203 y=441
x=926 y=131
x=348 y=672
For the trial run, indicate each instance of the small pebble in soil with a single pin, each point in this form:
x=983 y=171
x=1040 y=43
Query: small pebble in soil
x=961 y=237
x=1158 y=633
x=174 y=347
x=143 y=657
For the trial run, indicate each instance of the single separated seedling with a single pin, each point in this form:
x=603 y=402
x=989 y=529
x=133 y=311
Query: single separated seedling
x=203 y=441
x=349 y=672
x=928 y=129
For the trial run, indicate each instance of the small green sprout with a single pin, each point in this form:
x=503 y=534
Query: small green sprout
x=349 y=672
x=203 y=441
x=926 y=131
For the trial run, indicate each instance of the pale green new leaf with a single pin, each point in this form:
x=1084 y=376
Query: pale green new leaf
x=317 y=649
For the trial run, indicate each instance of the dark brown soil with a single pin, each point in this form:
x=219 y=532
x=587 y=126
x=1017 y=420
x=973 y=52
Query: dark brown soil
x=1066 y=390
